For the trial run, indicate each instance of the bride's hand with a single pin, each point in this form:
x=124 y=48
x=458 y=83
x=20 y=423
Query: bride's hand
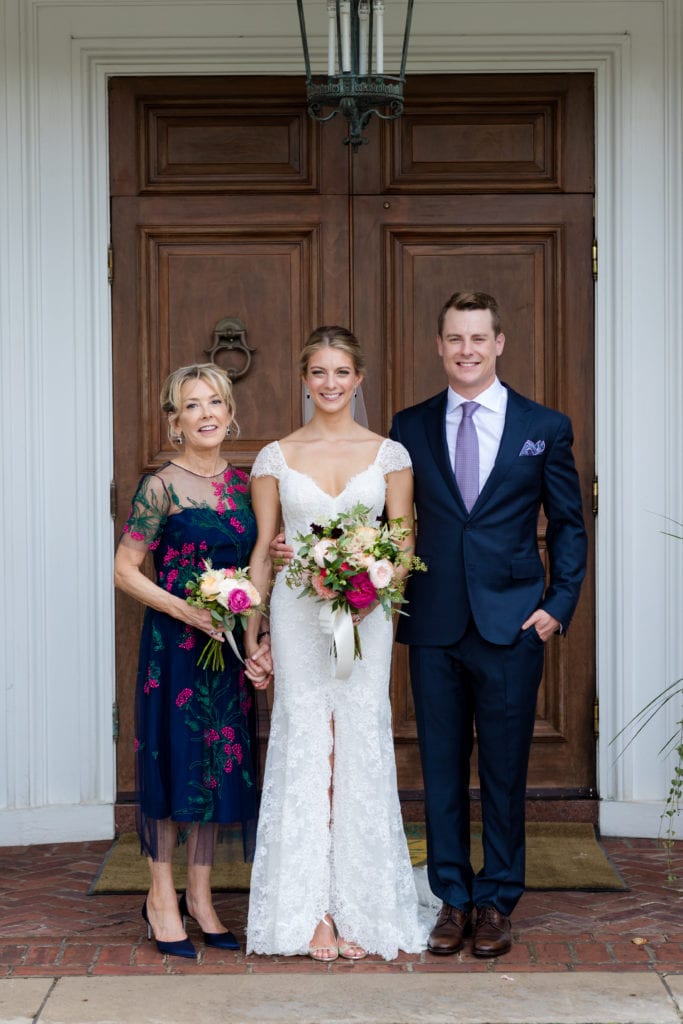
x=259 y=666
x=362 y=613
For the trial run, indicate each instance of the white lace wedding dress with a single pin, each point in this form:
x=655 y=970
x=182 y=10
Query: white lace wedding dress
x=352 y=862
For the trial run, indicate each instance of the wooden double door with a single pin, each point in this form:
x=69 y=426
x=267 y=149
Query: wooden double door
x=238 y=225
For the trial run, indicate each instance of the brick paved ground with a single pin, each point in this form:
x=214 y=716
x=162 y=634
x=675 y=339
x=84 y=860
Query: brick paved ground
x=50 y=927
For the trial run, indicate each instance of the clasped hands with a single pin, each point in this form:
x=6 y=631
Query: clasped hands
x=258 y=667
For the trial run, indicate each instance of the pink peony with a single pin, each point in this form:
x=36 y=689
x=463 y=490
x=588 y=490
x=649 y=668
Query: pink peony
x=362 y=593
x=238 y=601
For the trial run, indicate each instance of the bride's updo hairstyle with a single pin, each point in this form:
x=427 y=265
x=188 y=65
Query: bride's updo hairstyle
x=332 y=337
x=213 y=375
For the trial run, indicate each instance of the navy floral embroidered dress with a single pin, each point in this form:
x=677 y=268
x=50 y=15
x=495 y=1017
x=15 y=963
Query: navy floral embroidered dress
x=193 y=743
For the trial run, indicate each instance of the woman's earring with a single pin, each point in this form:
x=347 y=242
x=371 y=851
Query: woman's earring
x=308 y=394
x=228 y=431
x=178 y=439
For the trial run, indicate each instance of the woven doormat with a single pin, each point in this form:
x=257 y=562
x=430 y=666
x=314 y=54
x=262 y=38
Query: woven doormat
x=560 y=855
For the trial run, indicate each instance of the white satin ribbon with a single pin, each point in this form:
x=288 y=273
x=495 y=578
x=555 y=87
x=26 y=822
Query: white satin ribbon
x=339 y=626
x=231 y=640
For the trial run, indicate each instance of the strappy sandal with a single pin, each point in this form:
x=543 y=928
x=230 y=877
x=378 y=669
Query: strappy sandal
x=351 y=950
x=325 y=954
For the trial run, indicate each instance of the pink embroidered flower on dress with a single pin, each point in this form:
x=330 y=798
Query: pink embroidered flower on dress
x=151 y=683
x=227 y=768
x=170 y=555
x=228 y=732
x=210 y=736
x=171 y=578
x=189 y=641
x=183 y=697
x=234 y=521
x=237 y=752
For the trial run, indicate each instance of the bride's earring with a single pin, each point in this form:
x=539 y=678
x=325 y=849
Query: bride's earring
x=178 y=438
x=228 y=431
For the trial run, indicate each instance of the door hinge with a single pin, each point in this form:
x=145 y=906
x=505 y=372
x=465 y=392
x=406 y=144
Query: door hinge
x=596 y=717
x=110 y=264
x=594 y=259
x=113 y=500
x=115 y=721
x=595 y=494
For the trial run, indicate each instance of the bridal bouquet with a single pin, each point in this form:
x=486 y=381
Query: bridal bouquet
x=347 y=564
x=230 y=596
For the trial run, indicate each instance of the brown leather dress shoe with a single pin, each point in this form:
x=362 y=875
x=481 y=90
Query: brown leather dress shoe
x=452 y=925
x=492 y=933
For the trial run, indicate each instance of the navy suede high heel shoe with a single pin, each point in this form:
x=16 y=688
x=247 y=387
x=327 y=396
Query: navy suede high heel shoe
x=181 y=947
x=220 y=940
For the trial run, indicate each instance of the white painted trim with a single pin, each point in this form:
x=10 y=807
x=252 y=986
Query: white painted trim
x=636 y=818
x=55 y=824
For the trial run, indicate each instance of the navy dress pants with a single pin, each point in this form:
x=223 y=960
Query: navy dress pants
x=495 y=687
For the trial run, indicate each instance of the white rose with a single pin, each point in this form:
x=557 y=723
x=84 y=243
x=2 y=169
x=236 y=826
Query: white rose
x=381 y=573
x=320 y=550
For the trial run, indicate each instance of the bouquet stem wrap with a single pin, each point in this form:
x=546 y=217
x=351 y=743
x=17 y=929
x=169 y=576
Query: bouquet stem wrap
x=338 y=625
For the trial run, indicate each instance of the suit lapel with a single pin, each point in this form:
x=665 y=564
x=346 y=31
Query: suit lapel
x=435 y=429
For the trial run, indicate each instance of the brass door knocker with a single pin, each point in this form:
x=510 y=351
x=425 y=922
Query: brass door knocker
x=230 y=334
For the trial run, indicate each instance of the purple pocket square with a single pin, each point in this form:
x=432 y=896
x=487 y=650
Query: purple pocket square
x=533 y=448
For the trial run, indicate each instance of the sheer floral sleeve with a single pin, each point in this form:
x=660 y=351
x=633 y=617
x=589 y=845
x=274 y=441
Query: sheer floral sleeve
x=148 y=513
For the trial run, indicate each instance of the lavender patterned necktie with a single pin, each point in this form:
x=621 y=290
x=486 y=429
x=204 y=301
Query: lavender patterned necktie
x=467 y=456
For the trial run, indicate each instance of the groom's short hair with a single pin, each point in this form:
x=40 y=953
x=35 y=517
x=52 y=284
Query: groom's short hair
x=472 y=300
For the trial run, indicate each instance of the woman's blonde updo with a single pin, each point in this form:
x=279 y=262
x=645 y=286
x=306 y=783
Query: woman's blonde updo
x=213 y=375
x=332 y=337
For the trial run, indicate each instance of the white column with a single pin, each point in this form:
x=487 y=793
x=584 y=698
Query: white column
x=378 y=8
x=331 y=37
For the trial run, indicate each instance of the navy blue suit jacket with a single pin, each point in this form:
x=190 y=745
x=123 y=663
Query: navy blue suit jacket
x=486 y=563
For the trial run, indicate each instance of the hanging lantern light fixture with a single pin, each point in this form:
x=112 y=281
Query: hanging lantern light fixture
x=355 y=83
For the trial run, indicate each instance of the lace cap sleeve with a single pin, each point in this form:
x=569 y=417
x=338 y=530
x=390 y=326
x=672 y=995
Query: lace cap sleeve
x=148 y=512
x=269 y=461
x=393 y=456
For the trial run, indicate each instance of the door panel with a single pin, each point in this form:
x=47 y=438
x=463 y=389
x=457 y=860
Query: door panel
x=415 y=253
x=181 y=268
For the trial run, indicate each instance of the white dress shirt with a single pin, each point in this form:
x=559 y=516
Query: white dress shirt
x=489 y=420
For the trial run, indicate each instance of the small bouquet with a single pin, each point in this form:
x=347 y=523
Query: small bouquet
x=230 y=596
x=347 y=564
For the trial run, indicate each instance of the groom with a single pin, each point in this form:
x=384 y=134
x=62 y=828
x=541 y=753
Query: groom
x=485 y=461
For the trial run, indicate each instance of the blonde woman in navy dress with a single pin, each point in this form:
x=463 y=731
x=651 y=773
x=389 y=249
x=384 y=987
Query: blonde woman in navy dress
x=193 y=756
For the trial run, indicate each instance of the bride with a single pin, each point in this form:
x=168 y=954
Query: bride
x=332 y=875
